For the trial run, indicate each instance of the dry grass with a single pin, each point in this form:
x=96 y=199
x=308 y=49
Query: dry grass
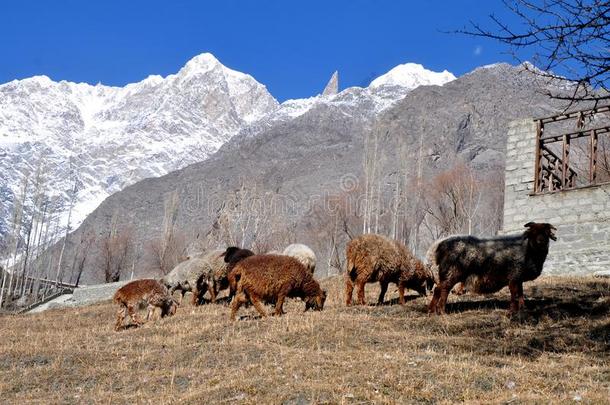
x=557 y=352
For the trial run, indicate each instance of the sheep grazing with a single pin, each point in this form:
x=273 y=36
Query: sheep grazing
x=186 y=276
x=487 y=265
x=372 y=258
x=302 y=253
x=222 y=278
x=148 y=291
x=271 y=279
x=204 y=273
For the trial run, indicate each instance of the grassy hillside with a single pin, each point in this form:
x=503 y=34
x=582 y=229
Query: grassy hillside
x=558 y=351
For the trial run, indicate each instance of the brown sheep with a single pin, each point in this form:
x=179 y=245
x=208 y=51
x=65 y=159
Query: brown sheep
x=149 y=291
x=487 y=265
x=272 y=278
x=372 y=258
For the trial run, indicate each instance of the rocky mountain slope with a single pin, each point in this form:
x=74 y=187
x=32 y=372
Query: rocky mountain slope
x=306 y=157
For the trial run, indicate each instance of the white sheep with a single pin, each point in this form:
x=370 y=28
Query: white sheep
x=303 y=254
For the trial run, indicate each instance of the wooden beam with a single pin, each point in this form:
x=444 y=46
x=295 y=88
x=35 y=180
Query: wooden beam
x=573 y=114
x=565 y=162
x=575 y=135
x=538 y=164
x=593 y=157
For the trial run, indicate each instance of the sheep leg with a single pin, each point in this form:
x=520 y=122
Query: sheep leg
x=401 y=293
x=434 y=301
x=460 y=289
x=133 y=314
x=238 y=300
x=213 y=294
x=349 y=289
x=195 y=297
x=173 y=290
x=257 y=304
x=279 y=305
x=384 y=289
x=198 y=293
x=121 y=314
x=152 y=313
x=521 y=296
x=442 y=300
x=360 y=285
x=513 y=286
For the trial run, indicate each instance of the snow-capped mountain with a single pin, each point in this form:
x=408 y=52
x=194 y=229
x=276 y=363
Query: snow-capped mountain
x=110 y=137
x=382 y=93
x=105 y=138
x=410 y=76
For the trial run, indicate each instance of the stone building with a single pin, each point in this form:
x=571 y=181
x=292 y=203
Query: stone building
x=540 y=186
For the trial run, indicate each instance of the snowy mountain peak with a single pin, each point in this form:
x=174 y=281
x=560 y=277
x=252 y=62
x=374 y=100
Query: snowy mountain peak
x=201 y=63
x=116 y=136
x=412 y=75
x=39 y=80
x=383 y=92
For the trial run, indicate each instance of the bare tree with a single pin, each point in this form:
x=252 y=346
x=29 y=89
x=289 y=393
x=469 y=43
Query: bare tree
x=115 y=248
x=72 y=201
x=17 y=221
x=80 y=255
x=568 y=39
x=166 y=251
x=452 y=201
x=37 y=220
x=333 y=222
x=245 y=218
x=458 y=200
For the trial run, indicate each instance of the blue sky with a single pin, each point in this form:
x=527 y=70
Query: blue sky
x=290 y=46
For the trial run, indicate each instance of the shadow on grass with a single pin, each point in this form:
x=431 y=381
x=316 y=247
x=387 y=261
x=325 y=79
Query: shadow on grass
x=249 y=317
x=394 y=301
x=558 y=319
x=129 y=326
x=574 y=304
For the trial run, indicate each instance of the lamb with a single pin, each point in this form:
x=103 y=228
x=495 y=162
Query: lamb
x=272 y=278
x=302 y=253
x=149 y=291
x=372 y=258
x=487 y=265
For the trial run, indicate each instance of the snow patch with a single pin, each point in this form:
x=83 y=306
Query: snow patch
x=412 y=75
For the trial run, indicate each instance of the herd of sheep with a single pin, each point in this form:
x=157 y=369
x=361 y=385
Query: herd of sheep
x=482 y=266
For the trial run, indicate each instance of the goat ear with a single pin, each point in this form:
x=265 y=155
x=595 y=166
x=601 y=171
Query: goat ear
x=529 y=224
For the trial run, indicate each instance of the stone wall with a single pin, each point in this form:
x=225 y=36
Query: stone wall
x=582 y=216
